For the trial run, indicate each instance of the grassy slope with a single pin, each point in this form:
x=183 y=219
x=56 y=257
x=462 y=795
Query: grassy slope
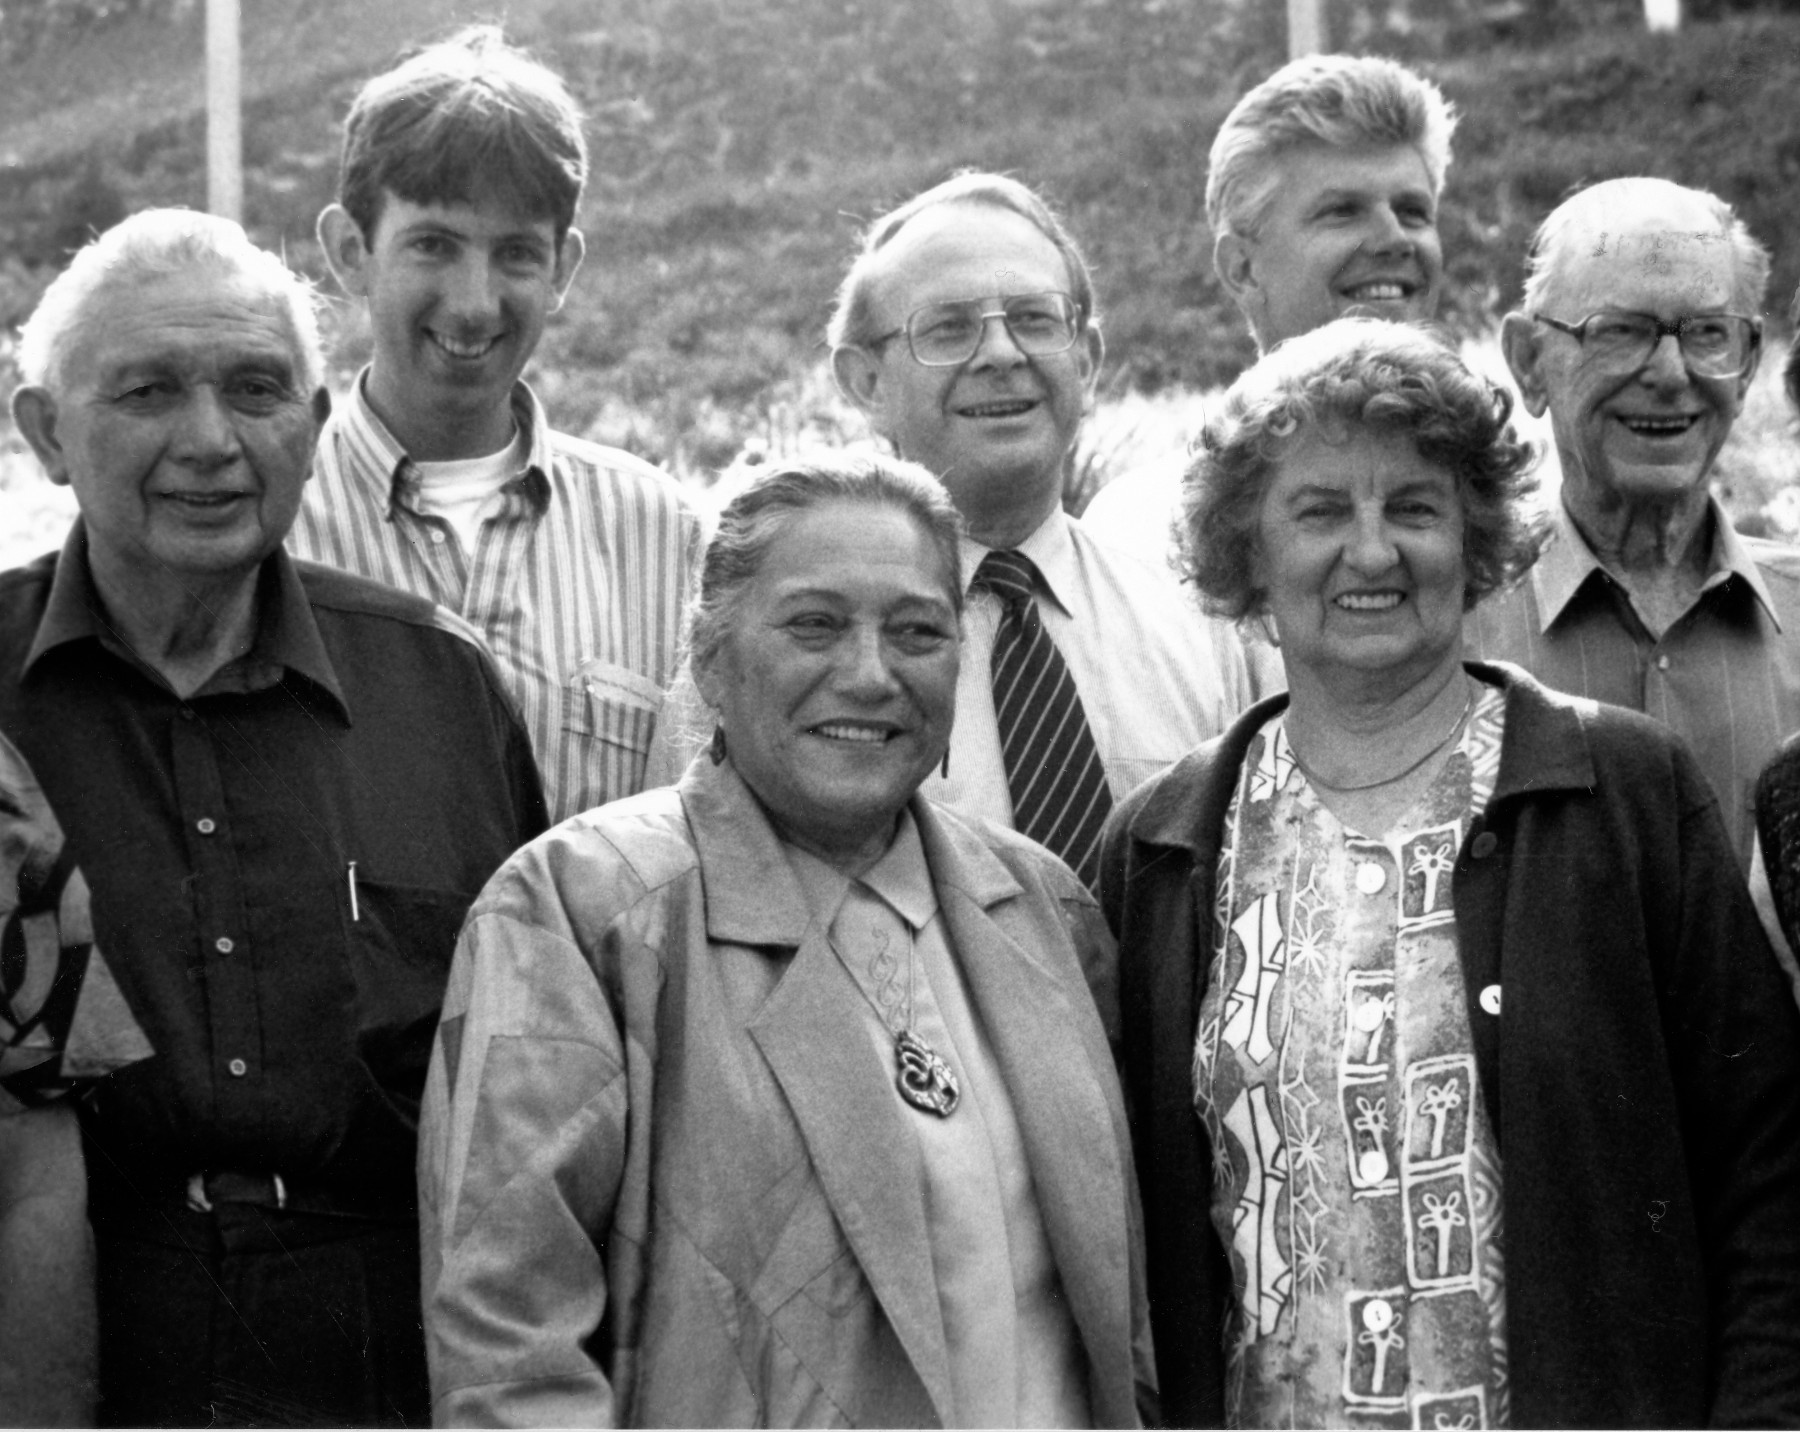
x=739 y=142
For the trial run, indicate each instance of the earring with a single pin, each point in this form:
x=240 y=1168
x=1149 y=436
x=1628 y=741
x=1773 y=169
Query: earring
x=717 y=749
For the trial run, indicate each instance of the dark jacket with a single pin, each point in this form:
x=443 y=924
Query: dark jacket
x=1644 y=1077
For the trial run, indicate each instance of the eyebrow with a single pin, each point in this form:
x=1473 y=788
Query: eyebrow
x=430 y=225
x=276 y=360
x=1361 y=191
x=831 y=594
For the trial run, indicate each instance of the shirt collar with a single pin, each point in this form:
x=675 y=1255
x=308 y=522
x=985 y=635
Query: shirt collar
x=1568 y=562
x=385 y=465
x=902 y=878
x=287 y=638
x=1051 y=549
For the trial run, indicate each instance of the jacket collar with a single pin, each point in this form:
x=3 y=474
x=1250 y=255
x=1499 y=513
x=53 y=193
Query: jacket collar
x=1568 y=563
x=287 y=637
x=753 y=896
x=1545 y=748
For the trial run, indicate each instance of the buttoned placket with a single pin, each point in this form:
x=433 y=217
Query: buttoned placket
x=439 y=560
x=465 y=582
x=224 y=956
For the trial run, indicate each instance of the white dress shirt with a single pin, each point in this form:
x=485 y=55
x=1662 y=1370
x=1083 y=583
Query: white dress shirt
x=1156 y=677
x=1136 y=513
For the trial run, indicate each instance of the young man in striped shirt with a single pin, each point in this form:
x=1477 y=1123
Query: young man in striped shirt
x=438 y=473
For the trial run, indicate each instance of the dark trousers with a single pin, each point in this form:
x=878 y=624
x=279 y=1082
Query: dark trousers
x=255 y=1317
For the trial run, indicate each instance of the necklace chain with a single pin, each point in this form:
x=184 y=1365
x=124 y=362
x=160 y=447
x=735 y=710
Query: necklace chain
x=1441 y=742
x=883 y=970
x=922 y=1076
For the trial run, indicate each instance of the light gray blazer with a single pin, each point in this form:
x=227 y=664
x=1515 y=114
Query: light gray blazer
x=664 y=1175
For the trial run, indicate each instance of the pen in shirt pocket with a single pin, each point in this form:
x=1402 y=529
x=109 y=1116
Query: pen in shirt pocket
x=350 y=875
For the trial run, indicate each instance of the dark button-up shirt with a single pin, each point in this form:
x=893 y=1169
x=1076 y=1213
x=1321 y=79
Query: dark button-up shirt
x=1725 y=677
x=279 y=863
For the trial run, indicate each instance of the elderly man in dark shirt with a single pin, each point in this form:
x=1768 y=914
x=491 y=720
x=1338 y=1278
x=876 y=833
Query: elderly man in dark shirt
x=284 y=785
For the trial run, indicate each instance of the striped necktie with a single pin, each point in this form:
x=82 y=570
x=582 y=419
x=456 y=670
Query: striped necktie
x=1059 y=793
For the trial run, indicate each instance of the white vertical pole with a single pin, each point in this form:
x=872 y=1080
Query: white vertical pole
x=1306 y=27
x=224 y=129
x=1662 y=14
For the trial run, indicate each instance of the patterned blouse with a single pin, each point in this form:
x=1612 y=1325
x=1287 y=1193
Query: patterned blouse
x=63 y=1021
x=1357 y=1179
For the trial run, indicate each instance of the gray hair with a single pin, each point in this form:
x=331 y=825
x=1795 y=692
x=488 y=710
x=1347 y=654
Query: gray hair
x=154 y=244
x=754 y=516
x=852 y=323
x=1567 y=226
x=1345 y=101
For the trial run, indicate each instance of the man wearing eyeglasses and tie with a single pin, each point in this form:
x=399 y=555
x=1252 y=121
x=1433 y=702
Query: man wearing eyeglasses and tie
x=1640 y=333
x=966 y=330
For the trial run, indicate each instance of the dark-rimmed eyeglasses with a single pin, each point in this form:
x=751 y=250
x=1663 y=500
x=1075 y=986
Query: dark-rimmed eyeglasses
x=1713 y=345
x=942 y=335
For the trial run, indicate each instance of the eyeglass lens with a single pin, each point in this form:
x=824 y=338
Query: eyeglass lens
x=1713 y=345
x=946 y=333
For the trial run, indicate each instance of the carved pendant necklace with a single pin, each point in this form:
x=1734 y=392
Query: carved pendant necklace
x=921 y=1074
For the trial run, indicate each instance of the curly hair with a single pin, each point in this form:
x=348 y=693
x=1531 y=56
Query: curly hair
x=1372 y=375
x=753 y=518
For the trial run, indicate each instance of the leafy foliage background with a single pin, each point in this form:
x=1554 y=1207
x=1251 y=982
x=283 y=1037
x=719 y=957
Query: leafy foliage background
x=740 y=144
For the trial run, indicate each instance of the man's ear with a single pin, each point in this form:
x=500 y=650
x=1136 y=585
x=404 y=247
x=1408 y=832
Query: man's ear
x=346 y=250
x=1522 y=342
x=1234 y=261
x=858 y=374
x=569 y=254
x=1748 y=375
x=320 y=405
x=34 y=414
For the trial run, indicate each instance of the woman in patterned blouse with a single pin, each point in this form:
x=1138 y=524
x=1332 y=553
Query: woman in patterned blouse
x=1320 y=911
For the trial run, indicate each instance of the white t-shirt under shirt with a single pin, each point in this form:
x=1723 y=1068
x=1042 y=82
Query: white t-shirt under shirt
x=461 y=491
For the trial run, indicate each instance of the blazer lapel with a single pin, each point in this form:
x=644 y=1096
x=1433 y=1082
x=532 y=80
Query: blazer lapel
x=1071 y=1137
x=812 y=1033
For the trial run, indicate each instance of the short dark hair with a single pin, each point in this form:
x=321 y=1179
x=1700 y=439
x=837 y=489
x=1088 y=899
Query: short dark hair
x=851 y=322
x=753 y=517
x=1368 y=374
x=462 y=119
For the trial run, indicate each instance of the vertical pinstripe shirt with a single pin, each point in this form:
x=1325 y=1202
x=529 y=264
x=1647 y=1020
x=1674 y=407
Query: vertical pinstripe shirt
x=1725 y=677
x=578 y=581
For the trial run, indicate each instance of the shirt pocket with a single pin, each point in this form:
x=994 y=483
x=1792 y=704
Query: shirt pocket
x=399 y=940
x=611 y=703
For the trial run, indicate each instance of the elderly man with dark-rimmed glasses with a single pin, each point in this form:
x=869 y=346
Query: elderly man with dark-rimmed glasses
x=1639 y=335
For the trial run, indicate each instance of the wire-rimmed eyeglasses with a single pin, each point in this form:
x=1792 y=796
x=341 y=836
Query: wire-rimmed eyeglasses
x=942 y=335
x=1713 y=345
